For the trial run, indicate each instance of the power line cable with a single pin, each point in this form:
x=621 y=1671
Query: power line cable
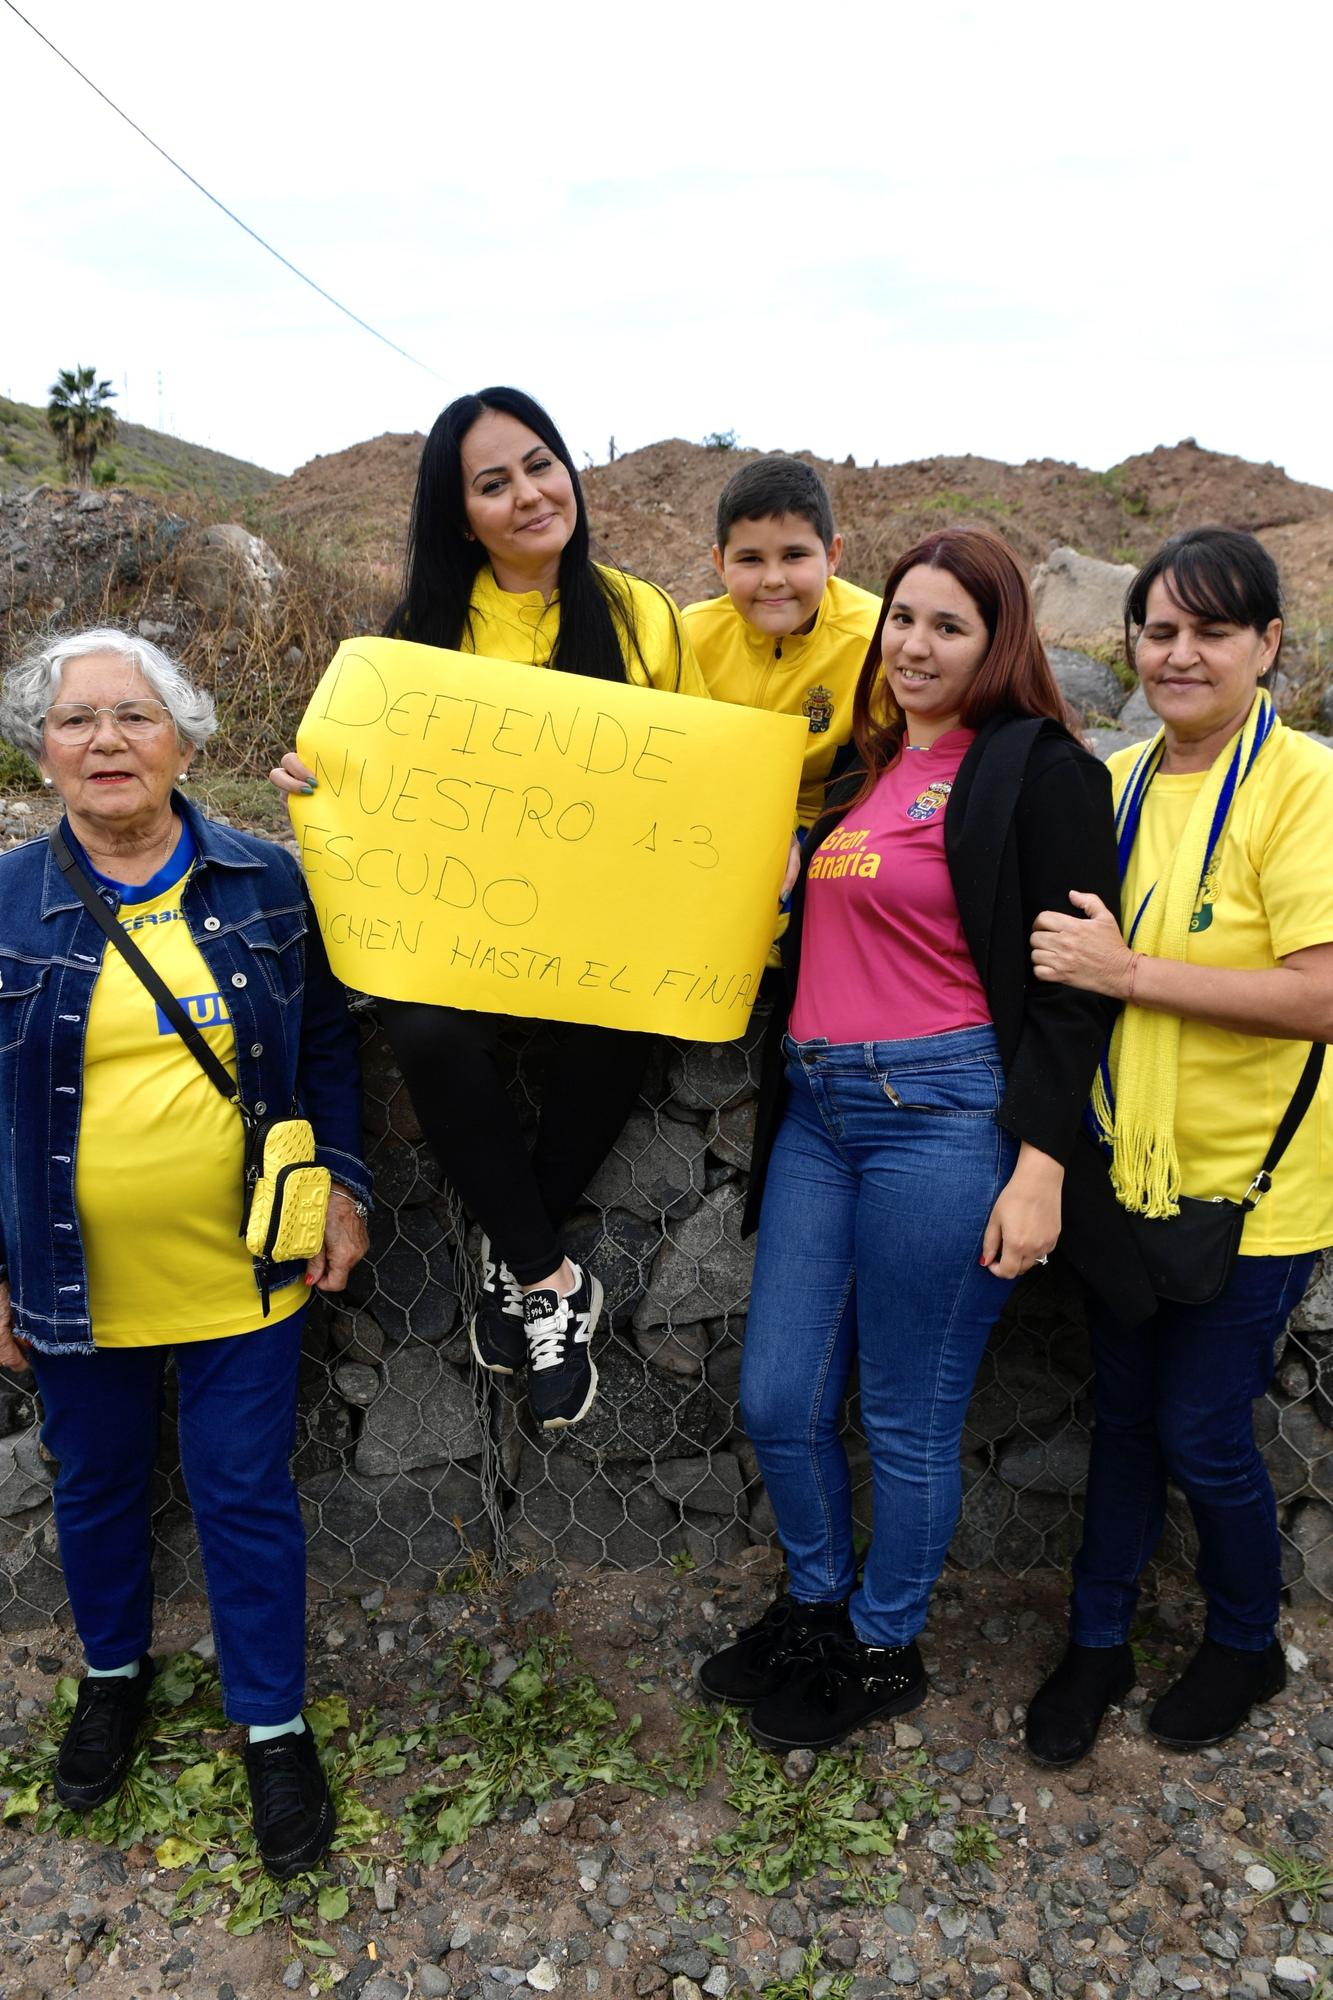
x=365 y=325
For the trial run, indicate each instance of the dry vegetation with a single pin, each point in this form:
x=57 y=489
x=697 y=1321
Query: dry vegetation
x=338 y=526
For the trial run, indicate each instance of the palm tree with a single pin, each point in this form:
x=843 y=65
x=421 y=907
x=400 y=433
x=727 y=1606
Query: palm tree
x=81 y=419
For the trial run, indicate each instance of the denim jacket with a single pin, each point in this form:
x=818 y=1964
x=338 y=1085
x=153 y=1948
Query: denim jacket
x=296 y=1046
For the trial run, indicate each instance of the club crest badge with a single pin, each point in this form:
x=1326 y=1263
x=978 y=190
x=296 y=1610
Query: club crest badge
x=818 y=709
x=926 y=804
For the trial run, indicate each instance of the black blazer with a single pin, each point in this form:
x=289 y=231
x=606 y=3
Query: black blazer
x=1029 y=819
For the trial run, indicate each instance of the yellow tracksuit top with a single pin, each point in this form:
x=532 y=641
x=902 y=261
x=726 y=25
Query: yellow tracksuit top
x=813 y=674
x=519 y=625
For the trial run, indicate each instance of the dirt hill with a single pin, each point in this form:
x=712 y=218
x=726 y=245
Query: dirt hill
x=653 y=509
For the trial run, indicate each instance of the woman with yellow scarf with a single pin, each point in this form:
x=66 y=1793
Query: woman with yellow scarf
x=1225 y=968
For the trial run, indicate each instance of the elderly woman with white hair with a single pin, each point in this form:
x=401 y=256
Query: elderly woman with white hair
x=121 y=1191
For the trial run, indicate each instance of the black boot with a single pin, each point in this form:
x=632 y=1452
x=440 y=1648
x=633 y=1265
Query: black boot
x=849 y=1685
x=293 y=1813
x=1215 y=1694
x=1065 y=1713
x=765 y=1656
x=95 y=1752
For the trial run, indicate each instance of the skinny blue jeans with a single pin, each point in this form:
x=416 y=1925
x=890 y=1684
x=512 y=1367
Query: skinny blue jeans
x=1174 y=1399
x=237 y=1421
x=887 y=1163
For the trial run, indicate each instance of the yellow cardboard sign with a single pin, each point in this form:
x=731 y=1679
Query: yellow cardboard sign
x=522 y=841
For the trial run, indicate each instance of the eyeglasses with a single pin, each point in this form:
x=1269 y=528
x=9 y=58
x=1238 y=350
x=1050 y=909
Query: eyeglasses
x=76 y=722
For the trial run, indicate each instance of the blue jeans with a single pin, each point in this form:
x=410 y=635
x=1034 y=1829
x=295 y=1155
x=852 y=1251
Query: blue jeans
x=237 y=1419
x=870 y=1239
x=1174 y=1400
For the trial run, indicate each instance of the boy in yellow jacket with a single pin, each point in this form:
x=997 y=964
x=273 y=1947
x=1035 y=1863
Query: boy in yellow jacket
x=789 y=634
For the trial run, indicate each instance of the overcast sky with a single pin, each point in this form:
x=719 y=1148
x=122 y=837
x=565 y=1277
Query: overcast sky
x=1021 y=229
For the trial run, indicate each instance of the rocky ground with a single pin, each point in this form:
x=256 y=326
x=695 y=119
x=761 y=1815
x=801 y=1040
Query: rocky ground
x=1140 y=1873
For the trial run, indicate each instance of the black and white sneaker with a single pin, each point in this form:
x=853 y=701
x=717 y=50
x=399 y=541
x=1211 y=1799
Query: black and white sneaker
x=562 y=1376
x=496 y=1327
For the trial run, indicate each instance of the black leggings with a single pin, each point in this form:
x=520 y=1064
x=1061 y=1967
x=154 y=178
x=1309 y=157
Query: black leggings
x=448 y=1060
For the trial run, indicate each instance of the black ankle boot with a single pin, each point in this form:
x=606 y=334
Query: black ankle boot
x=765 y=1655
x=849 y=1685
x=1215 y=1694
x=1065 y=1713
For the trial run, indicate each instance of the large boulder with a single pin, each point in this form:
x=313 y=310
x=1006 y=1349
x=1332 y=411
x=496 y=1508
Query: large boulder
x=715 y=1076
x=25 y=1477
x=703 y=1270
x=407 y=1276
x=1057 y=1464
x=425 y=1416
x=618 y=1249
x=1314 y=1314
x=1309 y=1531
x=564 y=1510
x=1088 y=685
x=1136 y=719
x=399 y=1528
x=641 y=1413
x=1080 y=602
x=229 y=573
x=1105 y=742
x=713 y=1485
x=653 y=1169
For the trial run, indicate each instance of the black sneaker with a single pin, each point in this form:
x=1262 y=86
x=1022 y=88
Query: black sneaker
x=766 y=1655
x=95 y=1752
x=496 y=1327
x=293 y=1813
x=1215 y=1694
x=562 y=1376
x=849 y=1685
x=1066 y=1712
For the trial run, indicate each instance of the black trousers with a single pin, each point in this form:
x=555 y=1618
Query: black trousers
x=447 y=1056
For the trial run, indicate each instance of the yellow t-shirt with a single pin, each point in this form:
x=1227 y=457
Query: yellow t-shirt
x=813 y=674
x=520 y=625
x=1269 y=892
x=158 y=1176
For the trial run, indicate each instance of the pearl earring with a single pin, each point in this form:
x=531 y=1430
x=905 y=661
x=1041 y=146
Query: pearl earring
x=48 y=782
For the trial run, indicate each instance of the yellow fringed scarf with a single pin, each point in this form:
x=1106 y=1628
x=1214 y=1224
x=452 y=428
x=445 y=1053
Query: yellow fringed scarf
x=1136 y=1116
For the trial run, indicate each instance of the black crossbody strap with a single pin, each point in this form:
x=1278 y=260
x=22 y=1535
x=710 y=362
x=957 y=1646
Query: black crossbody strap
x=1301 y=1099
x=214 y=1070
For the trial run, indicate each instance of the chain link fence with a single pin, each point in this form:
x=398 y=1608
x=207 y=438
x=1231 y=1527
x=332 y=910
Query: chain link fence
x=412 y=1464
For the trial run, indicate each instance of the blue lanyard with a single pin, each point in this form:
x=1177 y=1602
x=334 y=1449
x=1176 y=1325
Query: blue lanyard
x=1129 y=812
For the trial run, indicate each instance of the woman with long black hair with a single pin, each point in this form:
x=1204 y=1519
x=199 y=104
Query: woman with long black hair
x=498 y=563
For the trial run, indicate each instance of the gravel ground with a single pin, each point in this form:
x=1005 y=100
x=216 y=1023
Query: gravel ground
x=1138 y=1873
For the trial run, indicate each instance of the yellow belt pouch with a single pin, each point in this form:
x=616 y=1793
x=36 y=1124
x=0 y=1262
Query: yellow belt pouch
x=290 y=1202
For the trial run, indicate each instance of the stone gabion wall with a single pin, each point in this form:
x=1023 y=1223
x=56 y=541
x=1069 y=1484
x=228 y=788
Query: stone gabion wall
x=410 y=1464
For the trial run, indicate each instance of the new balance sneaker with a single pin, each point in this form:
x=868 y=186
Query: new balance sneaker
x=293 y=1813
x=562 y=1376
x=1066 y=1712
x=846 y=1686
x=495 y=1330
x=766 y=1655
x=1214 y=1696
x=95 y=1753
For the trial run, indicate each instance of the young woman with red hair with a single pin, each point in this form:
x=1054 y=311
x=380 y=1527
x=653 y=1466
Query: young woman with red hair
x=920 y=1142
